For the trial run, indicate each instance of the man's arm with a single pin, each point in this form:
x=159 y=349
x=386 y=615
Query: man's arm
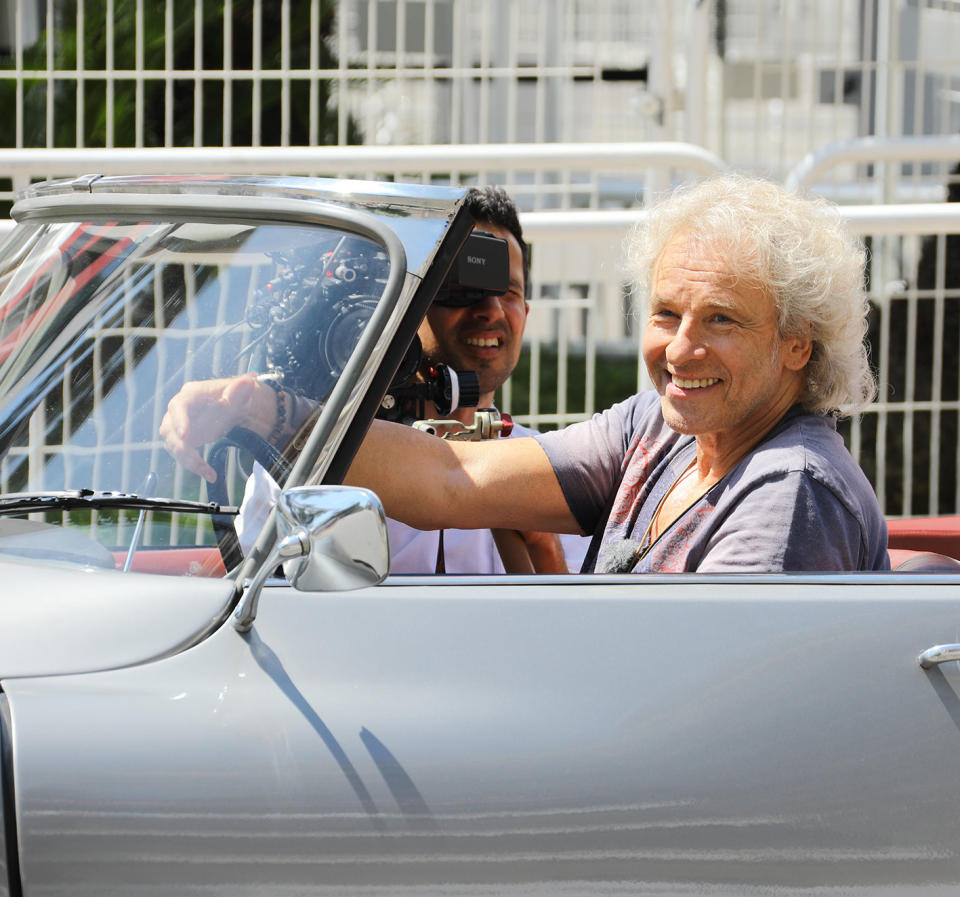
x=426 y=482
x=205 y=410
x=546 y=552
x=432 y=483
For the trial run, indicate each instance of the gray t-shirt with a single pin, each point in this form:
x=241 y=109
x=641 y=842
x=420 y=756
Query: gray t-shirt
x=798 y=501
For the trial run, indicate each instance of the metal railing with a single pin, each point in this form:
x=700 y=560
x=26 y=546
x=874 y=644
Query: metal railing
x=557 y=175
x=898 y=152
x=583 y=316
x=760 y=84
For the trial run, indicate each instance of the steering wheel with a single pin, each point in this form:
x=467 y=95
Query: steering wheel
x=261 y=451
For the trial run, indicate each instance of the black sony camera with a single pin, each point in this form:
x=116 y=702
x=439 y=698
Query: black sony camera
x=482 y=267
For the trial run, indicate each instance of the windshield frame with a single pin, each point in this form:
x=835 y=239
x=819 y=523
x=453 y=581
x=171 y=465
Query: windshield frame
x=369 y=353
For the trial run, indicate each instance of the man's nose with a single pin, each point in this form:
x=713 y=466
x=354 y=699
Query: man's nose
x=685 y=344
x=490 y=307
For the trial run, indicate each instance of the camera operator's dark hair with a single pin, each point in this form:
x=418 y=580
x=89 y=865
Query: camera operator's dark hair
x=493 y=204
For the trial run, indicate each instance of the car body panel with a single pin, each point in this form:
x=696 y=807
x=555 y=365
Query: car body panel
x=693 y=732
x=73 y=618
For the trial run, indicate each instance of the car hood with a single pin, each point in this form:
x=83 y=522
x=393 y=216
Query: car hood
x=73 y=618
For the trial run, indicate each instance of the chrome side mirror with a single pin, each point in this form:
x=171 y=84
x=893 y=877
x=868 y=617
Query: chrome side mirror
x=329 y=538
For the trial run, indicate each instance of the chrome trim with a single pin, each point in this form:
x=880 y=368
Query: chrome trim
x=329 y=538
x=938 y=654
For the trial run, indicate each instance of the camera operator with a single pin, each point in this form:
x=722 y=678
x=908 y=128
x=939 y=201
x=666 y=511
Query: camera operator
x=483 y=335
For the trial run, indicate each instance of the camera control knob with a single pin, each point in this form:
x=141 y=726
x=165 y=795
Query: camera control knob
x=469 y=388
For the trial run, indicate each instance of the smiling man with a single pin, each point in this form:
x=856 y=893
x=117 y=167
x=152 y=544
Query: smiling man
x=754 y=341
x=486 y=337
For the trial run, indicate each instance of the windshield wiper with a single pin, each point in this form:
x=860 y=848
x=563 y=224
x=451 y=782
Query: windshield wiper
x=69 y=499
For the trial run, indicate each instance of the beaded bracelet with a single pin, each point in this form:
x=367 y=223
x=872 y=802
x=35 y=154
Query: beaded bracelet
x=282 y=398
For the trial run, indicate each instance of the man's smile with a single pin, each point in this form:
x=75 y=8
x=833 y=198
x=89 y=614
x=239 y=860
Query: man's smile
x=483 y=342
x=694 y=383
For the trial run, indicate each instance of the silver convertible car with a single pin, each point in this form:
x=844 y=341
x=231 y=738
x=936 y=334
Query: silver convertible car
x=177 y=717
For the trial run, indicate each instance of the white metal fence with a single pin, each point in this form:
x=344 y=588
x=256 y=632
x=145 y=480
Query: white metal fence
x=583 y=316
x=579 y=108
x=759 y=83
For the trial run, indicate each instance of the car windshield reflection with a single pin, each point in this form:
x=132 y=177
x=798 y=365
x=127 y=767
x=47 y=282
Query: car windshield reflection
x=102 y=322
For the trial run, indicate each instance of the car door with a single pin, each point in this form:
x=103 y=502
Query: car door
x=595 y=734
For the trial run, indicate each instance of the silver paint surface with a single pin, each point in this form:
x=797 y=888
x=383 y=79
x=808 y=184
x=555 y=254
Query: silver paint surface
x=68 y=618
x=661 y=736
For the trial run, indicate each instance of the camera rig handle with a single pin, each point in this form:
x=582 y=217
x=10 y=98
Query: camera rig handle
x=488 y=423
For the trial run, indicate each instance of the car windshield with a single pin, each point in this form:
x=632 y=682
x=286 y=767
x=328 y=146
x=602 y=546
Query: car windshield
x=101 y=323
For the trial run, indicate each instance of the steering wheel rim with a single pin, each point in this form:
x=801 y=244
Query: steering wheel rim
x=268 y=457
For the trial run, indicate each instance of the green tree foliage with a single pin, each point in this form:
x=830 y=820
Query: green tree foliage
x=615 y=377
x=168 y=102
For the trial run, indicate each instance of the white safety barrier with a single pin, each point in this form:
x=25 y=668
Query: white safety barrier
x=582 y=317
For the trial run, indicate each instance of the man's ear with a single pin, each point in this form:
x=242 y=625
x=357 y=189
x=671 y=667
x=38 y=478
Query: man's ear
x=795 y=352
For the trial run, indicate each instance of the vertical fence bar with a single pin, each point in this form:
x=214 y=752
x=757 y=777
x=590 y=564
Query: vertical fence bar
x=227 y=71
x=936 y=387
x=760 y=128
x=400 y=58
x=340 y=94
x=511 y=75
x=372 y=17
x=198 y=80
x=808 y=87
x=563 y=350
x=430 y=135
x=838 y=79
x=50 y=99
x=884 y=393
x=544 y=33
x=110 y=65
x=590 y=352
x=18 y=73
x=256 y=80
x=910 y=394
x=456 y=77
x=80 y=81
x=697 y=58
x=168 y=75
x=285 y=86
x=484 y=73
x=535 y=373
x=786 y=60
x=138 y=61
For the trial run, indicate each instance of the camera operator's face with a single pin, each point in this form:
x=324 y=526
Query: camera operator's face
x=484 y=337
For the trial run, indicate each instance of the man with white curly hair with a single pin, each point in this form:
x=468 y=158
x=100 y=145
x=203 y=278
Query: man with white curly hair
x=754 y=339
